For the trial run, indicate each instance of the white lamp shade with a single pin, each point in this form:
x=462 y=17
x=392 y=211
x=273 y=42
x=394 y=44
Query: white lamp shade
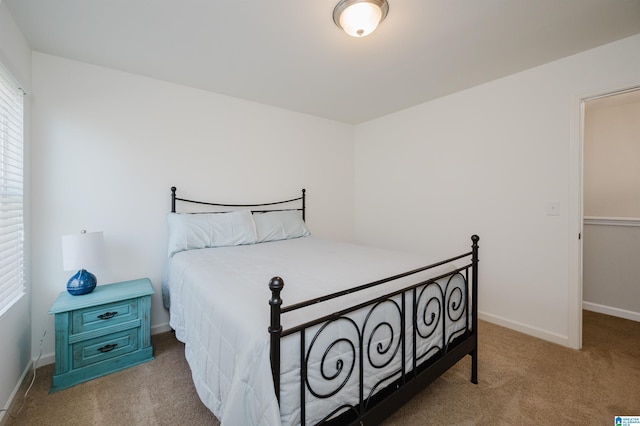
x=360 y=19
x=82 y=251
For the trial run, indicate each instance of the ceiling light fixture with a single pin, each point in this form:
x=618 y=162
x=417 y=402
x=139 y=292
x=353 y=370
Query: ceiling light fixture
x=359 y=18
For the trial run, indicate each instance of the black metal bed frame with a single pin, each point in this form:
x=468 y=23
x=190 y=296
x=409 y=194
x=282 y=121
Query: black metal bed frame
x=400 y=383
x=302 y=200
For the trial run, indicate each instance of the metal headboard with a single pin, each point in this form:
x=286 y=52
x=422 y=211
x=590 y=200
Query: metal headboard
x=174 y=198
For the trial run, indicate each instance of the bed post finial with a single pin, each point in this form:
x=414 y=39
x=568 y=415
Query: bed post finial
x=173 y=199
x=275 y=329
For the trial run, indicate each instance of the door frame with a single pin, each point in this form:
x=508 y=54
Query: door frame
x=576 y=209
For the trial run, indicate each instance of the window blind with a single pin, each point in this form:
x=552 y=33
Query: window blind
x=11 y=192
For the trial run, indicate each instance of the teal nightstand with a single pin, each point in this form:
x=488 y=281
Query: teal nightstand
x=102 y=332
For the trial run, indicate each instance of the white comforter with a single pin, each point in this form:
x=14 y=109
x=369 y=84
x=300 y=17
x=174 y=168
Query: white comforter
x=219 y=309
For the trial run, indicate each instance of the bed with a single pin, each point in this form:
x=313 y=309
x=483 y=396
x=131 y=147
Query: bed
x=282 y=327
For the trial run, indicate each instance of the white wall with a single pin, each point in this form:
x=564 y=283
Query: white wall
x=15 y=324
x=108 y=145
x=611 y=269
x=488 y=160
x=612 y=156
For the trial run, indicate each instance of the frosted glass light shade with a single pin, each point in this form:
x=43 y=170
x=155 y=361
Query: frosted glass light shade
x=82 y=251
x=359 y=18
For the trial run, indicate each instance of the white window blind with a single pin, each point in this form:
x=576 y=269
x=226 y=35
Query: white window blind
x=11 y=192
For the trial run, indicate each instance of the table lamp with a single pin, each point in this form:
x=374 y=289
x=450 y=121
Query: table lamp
x=81 y=251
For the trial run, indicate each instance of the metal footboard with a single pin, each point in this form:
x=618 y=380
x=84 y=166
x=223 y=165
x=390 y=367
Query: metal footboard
x=426 y=327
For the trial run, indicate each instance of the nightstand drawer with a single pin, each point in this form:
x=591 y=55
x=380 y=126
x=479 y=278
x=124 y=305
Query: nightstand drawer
x=97 y=317
x=105 y=347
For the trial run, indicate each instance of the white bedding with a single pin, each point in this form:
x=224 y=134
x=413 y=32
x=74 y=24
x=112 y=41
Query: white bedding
x=219 y=309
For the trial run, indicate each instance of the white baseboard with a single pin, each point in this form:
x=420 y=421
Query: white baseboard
x=46 y=359
x=14 y=398
x=160 y=328
x=526 y=329
x=608 y=310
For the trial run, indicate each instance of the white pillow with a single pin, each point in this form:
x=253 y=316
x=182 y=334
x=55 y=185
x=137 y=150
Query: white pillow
x=196 y=231
x=279 y=225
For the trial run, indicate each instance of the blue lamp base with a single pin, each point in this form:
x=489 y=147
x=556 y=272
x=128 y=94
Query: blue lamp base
x=83 y=282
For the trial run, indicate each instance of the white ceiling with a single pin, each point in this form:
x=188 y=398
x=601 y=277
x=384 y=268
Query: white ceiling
x=290 y=54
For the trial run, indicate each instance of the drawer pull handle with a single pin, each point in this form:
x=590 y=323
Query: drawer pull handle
x=108 y=315
x=108 y=348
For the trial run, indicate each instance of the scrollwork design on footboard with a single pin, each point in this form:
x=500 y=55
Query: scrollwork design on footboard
x=368 y=346
x=369 y=339
x=342 y=350
x=457 y=306
x=359 y=359
x=383 y=343
x=384 y=334
x=440 y=309
x=428 y=317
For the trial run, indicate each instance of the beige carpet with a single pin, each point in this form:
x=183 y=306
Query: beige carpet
x=523 y=381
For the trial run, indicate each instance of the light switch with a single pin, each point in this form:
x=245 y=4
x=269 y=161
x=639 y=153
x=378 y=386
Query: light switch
x=553 y=208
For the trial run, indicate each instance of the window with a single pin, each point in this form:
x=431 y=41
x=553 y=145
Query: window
x=11 y=192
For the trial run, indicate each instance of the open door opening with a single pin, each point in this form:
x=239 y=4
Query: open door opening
x=609 y=206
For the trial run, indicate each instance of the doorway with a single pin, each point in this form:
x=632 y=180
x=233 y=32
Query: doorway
x=610 y=219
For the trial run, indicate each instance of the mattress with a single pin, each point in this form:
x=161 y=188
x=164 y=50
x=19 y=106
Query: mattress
x=219 y=309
